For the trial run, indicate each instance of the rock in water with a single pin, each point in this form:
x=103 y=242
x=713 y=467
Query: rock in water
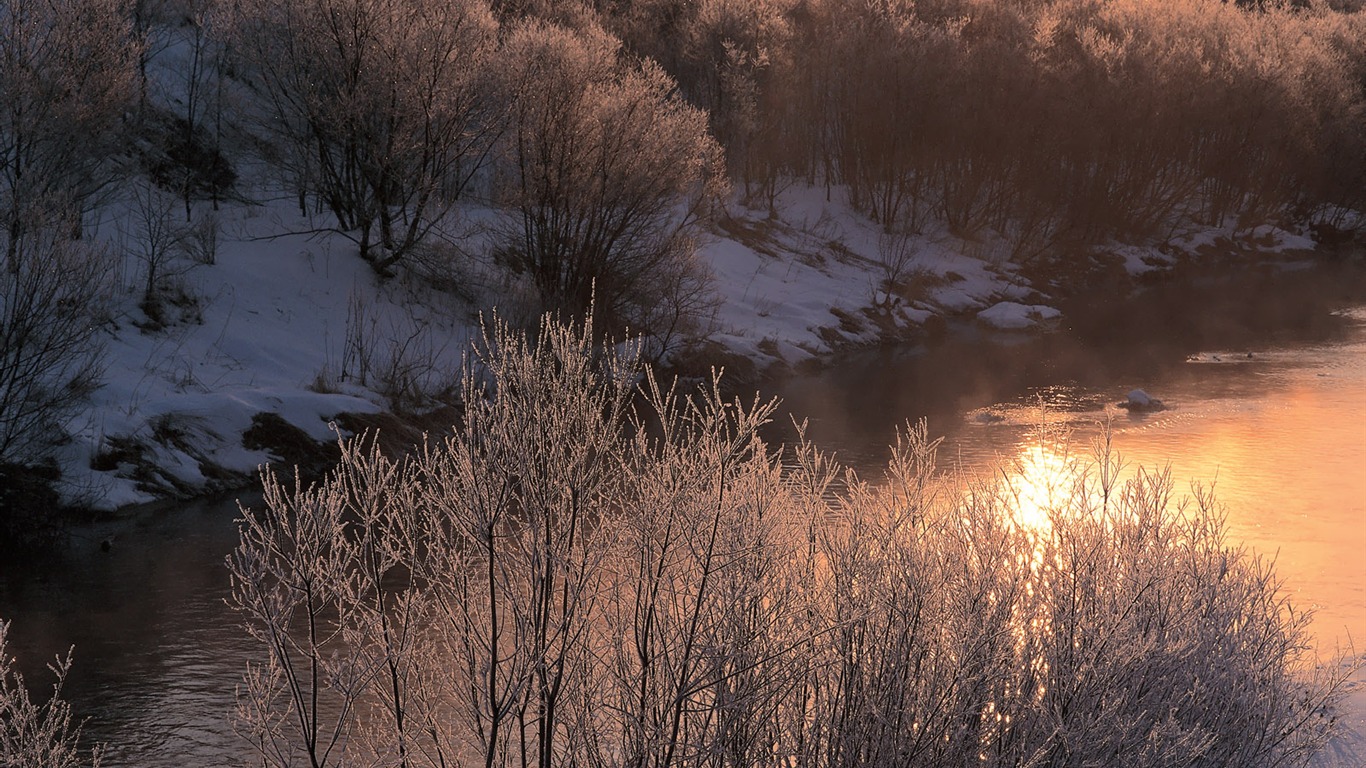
x=1138 y=400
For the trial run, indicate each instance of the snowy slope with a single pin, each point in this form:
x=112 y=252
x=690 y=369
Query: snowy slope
x=289 y=320
x=818 y=265
x=276 y=324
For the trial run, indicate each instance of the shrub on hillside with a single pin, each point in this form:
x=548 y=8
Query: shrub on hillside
x=607 y=171
x=66 y=82
x=379 y=109
x=51 y=293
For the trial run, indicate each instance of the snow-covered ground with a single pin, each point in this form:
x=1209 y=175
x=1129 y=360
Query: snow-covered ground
x=289 y=320
x=298 y=325
x=291 y=324
x=820 y=265
x=1348 y=750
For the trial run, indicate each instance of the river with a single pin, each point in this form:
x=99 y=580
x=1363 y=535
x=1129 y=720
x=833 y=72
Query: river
x=1264 y=377
x=1264 y=381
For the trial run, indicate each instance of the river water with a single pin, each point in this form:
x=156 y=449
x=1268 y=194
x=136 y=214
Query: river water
x=1264 y=377
x=1264 y=382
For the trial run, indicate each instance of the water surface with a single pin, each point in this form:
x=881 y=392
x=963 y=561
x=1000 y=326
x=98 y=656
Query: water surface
x=1264 y=381
x=157 y=652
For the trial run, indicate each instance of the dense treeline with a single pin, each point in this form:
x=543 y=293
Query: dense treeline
x=1039 y=119
x=1043 y=121
x=1047 y=122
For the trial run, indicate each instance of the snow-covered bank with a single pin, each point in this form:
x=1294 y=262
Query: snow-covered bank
x=820 y=277
x=294 y=325
x=1348 y=747
x=297 y=325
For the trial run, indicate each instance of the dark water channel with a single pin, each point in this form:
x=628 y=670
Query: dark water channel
x=157 y=652
x=1284 y=431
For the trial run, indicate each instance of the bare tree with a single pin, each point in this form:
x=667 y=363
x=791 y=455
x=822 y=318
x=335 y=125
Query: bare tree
x=607 y=172
x=313 y=576
x=66 y=77
x=50 y=340
x=380 y=106
x=151 y=234
x=498 y=538
x=196 y=165
x=703 y=616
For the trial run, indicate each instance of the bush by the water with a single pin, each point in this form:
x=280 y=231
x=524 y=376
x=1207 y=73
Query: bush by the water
x=596 y=571
x=38 y=733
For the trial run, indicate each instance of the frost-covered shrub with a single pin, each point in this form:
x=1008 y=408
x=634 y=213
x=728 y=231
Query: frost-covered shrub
x=1118 y=629
x=66 y=82
x=37 y=734
x=595 y=570
x=378 y=109
x=607 y=171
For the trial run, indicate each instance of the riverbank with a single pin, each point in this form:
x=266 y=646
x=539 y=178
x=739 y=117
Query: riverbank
x=287 y=339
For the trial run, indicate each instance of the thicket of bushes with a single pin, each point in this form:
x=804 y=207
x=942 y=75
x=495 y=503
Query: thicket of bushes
x=1048 y=121
x=596 y=571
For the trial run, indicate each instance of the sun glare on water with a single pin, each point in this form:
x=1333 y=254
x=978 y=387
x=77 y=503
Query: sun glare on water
x=1041 y=479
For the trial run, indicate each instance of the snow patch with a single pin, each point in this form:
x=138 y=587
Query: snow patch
x=781 y=277
x=1276 y=240
x=279 y=323
x=1012 y=316
x=1139 y=260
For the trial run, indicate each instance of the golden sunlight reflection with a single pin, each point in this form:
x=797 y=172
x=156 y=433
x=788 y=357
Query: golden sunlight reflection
x=1280 y=446
x=1039 y=481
